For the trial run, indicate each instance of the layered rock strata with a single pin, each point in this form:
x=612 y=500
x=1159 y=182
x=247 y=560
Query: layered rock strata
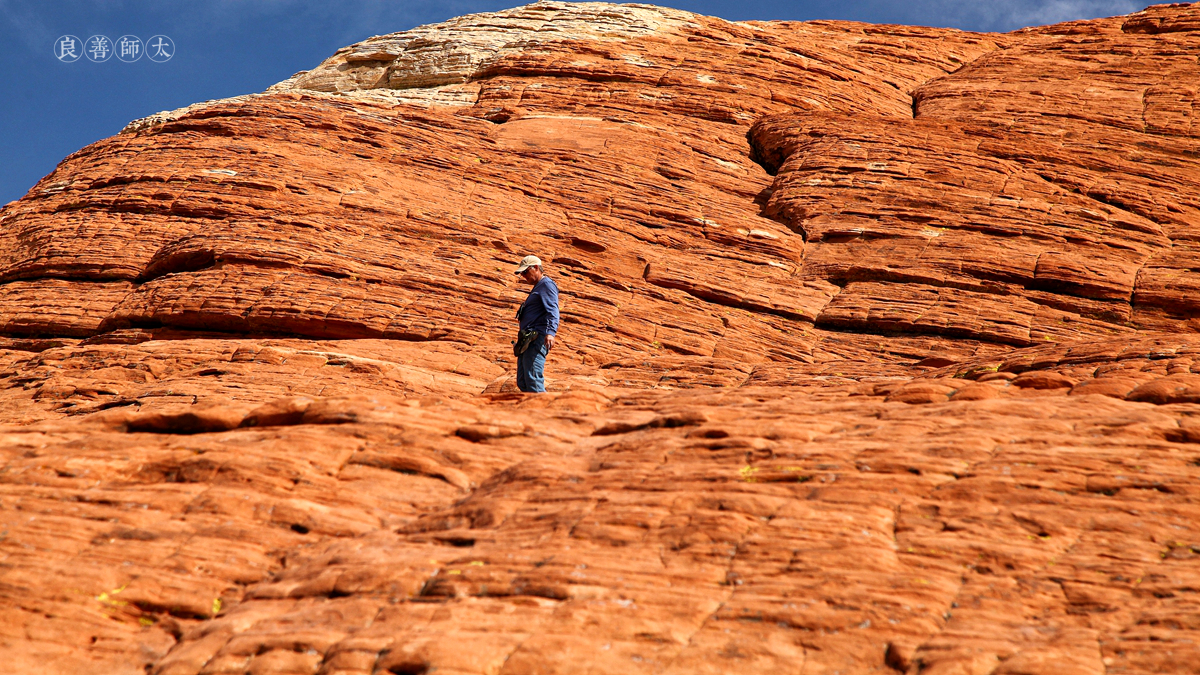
x=879 y=354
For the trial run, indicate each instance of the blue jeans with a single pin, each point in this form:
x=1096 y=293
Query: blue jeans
x=530 y=364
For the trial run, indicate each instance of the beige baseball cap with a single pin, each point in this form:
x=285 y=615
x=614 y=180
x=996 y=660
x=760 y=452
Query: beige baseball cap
x=529 y=261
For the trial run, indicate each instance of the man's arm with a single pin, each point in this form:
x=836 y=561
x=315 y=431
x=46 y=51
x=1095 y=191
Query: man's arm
x=550 y=301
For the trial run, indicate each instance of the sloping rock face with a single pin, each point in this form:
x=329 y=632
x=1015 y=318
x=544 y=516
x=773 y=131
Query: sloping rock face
x=879 y=353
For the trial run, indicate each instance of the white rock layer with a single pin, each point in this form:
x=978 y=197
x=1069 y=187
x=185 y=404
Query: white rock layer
x=435 y=64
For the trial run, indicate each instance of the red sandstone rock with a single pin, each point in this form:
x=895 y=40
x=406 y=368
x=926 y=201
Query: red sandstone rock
x=1042 y=380
x=879 y=352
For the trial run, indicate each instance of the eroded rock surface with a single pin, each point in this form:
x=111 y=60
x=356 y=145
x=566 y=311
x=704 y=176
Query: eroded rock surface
x=879 y=354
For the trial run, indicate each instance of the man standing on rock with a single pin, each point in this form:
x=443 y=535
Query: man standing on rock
x=538 y=320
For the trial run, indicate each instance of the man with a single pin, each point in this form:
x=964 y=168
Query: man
x=538 y=320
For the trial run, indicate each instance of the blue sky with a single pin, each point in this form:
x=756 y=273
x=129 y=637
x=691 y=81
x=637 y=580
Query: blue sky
x=230 y=47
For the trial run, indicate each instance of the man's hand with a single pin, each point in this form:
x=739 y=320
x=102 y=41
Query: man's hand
x=549 y=342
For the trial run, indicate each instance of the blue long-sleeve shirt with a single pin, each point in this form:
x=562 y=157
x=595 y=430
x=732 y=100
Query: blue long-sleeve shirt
x=540 y=310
